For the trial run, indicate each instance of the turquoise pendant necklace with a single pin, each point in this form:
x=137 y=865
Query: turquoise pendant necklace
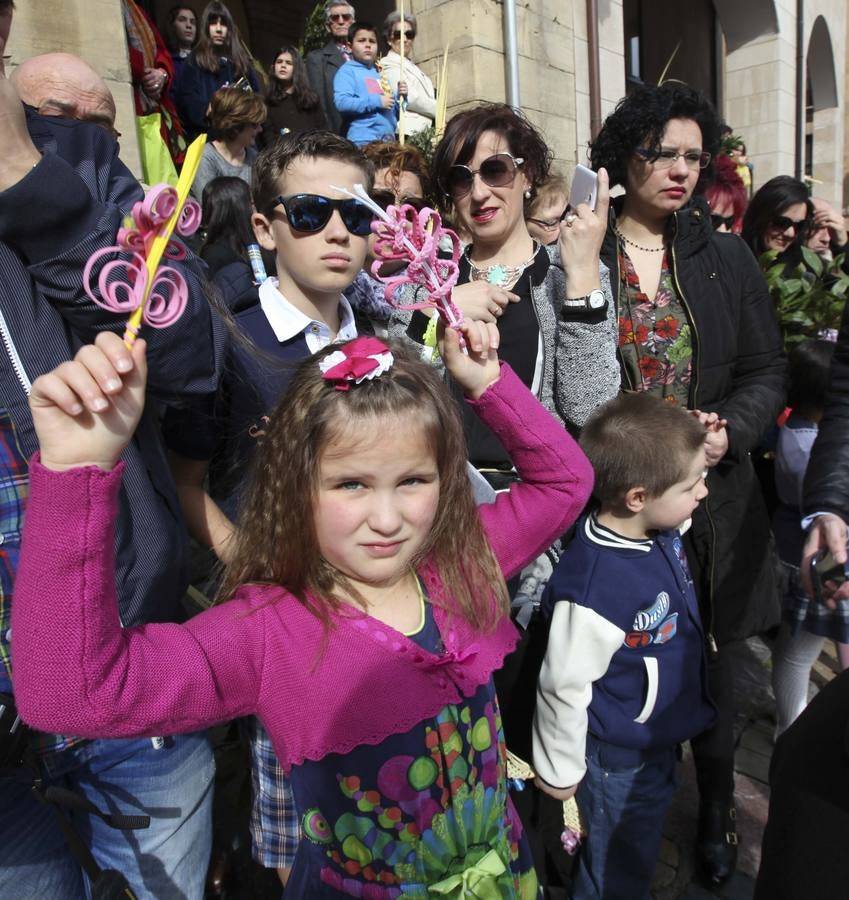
x=497 y=274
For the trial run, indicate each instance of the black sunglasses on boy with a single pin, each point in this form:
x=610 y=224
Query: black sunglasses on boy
x=309 y=213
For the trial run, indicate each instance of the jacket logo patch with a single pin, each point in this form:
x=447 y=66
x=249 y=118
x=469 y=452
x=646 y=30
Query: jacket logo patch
x=637 y=639
x=373 y=86
x=667 y=630
x=646 y=619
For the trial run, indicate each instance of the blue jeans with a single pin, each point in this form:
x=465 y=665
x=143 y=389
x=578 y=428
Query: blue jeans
x=166 y=861
x=623 y=799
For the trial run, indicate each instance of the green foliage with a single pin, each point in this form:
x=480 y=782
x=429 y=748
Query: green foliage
x=315 y=30
x=808 y=297
x=424 y=142
x=730 y=142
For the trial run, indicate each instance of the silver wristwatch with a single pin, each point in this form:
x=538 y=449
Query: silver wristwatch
x=593 y=300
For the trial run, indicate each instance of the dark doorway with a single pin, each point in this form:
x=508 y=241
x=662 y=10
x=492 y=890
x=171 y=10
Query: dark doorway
x=654 y=28
x=266 y=24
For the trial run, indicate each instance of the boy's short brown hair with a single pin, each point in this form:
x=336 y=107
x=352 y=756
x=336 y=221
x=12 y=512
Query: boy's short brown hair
x=639 y=440
x=271 y=164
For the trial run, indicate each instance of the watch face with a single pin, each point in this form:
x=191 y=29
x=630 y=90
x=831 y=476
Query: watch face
x=596 y=299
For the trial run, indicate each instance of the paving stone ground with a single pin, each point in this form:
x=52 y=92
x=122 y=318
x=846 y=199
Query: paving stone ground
x=675 y=878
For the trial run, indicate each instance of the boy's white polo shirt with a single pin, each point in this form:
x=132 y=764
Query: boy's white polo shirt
x=287 y=321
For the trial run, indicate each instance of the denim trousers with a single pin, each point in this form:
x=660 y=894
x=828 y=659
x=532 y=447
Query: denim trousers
x=623 y=799
x=166 y=861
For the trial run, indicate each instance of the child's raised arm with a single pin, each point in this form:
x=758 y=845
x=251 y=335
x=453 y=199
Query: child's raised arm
x=86 y=410
x=75 y=669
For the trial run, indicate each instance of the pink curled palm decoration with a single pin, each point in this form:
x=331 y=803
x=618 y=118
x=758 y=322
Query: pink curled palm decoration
x=139 y=287
x=122 y=284
x=417 y=237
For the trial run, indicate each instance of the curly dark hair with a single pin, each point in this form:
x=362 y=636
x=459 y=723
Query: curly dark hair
x=771 y=200
x=464 y=130
x=640 y=119
x=304 y=96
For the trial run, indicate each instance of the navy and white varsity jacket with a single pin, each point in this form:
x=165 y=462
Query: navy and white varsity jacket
x=625 y=655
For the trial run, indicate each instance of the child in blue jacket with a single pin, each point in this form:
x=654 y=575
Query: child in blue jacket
x=623 y=681
x=364 y=99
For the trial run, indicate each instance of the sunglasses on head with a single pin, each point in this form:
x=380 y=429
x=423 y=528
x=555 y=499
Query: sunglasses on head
x=496 y=171
x=387 y=198
x=309 y=213
x=340 y=17
x=782 y=223
x=718 y=221
x=408 y=35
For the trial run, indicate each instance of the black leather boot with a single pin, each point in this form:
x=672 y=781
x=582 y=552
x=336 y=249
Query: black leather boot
x=716 y=844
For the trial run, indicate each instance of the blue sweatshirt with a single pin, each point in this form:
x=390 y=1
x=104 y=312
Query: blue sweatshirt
x=357 y=93
x=625 y=657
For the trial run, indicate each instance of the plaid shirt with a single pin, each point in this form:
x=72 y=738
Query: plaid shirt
x=14 y=488
x=274 y=820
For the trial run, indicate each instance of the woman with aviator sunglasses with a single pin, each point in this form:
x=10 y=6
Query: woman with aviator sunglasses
x=697 y=327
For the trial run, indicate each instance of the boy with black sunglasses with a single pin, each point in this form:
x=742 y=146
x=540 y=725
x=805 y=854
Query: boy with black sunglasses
x=320 y=240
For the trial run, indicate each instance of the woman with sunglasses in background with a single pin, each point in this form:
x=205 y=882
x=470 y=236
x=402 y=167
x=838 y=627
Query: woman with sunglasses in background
x=420 y=108
x=293 y=105
x=546 y=210
x=779 y=217
x=400 y=177
x=218 y=60
x=726 y=196
x=697 y=327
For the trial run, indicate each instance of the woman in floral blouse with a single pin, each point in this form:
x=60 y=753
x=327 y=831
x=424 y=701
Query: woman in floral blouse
x=696 y=327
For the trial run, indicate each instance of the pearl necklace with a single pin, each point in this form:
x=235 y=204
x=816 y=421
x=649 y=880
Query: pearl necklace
x=497 y=274
x=637 y=246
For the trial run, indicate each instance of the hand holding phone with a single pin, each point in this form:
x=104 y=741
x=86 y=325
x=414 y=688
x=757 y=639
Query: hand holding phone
x=584 y=188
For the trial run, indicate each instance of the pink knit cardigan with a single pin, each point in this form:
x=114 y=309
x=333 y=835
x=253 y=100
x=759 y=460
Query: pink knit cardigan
x=76 y=671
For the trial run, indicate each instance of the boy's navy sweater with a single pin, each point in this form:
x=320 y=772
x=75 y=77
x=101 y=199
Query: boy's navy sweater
x=358 y=92
x=625 y=656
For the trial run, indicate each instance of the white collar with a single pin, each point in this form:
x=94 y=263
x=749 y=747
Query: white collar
x=287 y=321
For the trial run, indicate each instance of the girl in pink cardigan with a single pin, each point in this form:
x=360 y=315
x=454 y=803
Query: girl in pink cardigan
x=372 y=668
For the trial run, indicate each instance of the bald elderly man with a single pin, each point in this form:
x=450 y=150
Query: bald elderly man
x=61 y=84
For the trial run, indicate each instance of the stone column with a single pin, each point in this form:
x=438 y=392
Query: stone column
x=473 y=31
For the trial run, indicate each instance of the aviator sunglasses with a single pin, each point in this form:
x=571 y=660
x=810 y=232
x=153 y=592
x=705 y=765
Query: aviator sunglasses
x=309 y=213
x=496 y=171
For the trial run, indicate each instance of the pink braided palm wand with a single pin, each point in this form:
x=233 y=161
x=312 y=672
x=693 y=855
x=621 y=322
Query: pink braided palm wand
x=415 y=237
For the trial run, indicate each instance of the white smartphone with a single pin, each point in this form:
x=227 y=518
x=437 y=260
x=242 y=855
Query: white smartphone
x=584 y=188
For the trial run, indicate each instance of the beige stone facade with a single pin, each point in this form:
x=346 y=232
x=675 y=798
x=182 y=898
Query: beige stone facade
x=756 y=71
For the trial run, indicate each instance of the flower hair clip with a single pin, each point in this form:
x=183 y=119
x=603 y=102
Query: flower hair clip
x=417 y=237
x=359 y=360
x=139 y=286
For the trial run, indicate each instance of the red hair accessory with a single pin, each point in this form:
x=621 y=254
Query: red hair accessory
x=360 y=359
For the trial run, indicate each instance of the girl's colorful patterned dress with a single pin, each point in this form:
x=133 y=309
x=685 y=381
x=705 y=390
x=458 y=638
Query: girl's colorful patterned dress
x=424 y=814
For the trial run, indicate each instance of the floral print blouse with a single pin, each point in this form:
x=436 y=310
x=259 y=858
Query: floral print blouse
x=655 y=338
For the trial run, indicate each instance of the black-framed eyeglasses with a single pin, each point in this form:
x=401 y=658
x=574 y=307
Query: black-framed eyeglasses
x=661 y=158
x=408 y=35
x=496 y=171
x=340 y=17
x=782 y=223
x=718 y=221
x=309 y=213
x=386 y=198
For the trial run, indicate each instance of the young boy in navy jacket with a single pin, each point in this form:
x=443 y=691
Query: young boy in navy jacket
x=623 y=681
